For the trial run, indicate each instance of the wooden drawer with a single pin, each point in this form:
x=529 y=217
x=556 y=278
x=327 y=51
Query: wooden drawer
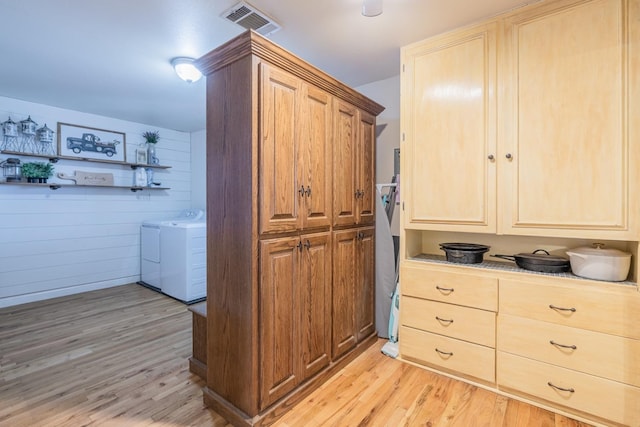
x=601 y=310
x=454 y=288
x=603 y=398
x=468 y=324
x=467 y=358
x=595 y=353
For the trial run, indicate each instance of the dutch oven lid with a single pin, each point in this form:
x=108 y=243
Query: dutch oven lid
x=542 y=257
x=470 y=247
x=598 y=249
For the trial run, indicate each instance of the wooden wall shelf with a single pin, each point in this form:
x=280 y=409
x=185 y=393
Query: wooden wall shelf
x=55 y=158
x=55 y=186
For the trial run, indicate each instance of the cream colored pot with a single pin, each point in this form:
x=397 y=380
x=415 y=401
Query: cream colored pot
x=600 y=263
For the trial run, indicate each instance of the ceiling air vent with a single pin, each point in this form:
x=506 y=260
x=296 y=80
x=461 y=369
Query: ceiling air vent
x=249 y=17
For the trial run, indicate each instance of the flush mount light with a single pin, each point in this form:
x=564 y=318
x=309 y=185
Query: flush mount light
x=185 y=69
x=371 y=8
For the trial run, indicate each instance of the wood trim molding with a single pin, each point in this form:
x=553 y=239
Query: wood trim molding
x=252 y=43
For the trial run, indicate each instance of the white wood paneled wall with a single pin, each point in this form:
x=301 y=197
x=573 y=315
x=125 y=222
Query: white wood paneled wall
x=70 y=240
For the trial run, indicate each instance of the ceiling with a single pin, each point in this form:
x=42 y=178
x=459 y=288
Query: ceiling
x=112 y=57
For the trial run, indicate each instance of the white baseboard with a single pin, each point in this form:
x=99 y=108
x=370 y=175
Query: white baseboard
x=54 y=293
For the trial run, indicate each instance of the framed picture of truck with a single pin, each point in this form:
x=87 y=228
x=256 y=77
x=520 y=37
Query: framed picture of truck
x=91 y=143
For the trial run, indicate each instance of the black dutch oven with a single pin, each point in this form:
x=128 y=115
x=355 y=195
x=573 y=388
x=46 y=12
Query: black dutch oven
x=464 y=253
x=540 y=260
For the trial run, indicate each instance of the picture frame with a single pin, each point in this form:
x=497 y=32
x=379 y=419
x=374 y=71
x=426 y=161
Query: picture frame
x=86 y=142
x=141 y=156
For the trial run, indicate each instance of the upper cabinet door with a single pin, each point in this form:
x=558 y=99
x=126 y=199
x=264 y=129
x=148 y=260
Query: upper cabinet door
x=366 y=168
x=280 y=193
x=315 y=155
x=570 y=113
x=345 y=184
x=448 y=120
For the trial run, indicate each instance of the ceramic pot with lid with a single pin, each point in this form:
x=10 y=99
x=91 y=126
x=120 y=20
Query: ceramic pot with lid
x=600 y=263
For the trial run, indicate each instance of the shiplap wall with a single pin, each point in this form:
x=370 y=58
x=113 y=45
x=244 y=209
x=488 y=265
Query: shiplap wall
x=70 y=240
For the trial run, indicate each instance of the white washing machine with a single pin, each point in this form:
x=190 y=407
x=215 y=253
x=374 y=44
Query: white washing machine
x=183 y=251
x=150 y=257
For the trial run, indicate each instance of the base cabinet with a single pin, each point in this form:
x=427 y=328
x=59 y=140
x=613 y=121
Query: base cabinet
x=295 y=311
x=565 y=343
x=353 y=288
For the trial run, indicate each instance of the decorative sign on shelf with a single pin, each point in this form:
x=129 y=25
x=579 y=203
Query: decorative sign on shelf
x=89 y=178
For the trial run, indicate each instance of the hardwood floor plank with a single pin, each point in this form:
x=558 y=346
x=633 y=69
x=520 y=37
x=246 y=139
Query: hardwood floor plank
x=117 y=357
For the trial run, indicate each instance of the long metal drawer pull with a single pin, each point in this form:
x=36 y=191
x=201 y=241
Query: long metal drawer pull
x=573 y=347
x=444 y=320
x=553 y=307
x=446 y=353
x=444 y=289
x=570 y=390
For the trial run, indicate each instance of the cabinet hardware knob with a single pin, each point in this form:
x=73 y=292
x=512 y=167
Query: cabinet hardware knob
x=299 y=246
x=307 y=244
x=301 y=191
x=445 y=353
x=490 y=157
x=448 y=290
x=509 y=156
x=572 y=347
x=357 y=194
x=553 y=307
x=570 y=390
x=308 y=191
x=439 y=319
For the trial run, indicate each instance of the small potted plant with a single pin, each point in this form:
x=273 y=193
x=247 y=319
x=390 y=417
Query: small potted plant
x=151 y=138
x=37 y=171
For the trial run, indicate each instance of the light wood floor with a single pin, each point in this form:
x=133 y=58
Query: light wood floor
x=118 y=357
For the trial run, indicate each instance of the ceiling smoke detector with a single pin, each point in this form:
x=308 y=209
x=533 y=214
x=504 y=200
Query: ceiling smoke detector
x=248 y=17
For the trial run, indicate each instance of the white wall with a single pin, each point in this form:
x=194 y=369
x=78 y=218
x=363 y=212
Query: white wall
x=199 y=170
x=387 y=93
x=70 y=240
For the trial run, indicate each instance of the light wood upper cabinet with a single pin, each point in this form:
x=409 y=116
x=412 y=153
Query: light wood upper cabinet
x=567 y=114
x=353 y=165
x=295 y=151
x=549 y=118
x=449 y=124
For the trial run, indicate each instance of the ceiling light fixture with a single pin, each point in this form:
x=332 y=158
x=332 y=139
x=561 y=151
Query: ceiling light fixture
x=371 y=8
x=185 y=69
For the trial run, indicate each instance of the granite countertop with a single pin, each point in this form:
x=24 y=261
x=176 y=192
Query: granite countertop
x=503 y=266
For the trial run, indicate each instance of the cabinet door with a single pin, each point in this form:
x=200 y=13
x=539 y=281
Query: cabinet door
x=345 y=185
x=345 y=277
x=279 y=189
x=365 y=284
x=568 y=70
x=315 y=303
x=315 y=154
x=279 y=345
x=366 y=168
x=448 y=120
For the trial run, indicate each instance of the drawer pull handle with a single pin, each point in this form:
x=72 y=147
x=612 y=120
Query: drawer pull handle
x=444 y=353
x=570 y=390
x=441 y=289
x=444 y=320
x=572 y=347
x=553 y=307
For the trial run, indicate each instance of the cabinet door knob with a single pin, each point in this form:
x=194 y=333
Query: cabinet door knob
x=307 y=192
x=509 y=156
x=299 y=246
x=490 y=157
x=301 y=191
x=307 y=244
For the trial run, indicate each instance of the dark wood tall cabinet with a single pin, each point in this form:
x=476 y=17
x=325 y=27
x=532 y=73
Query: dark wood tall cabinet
x=282 y=159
